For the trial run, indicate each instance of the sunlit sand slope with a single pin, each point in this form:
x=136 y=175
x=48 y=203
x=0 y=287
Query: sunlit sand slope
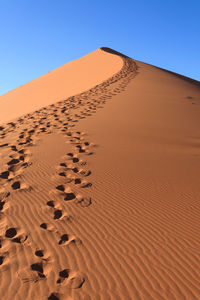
x=67 y=80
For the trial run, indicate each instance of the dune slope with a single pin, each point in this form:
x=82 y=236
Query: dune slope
x=67 y=80
x=99 y=191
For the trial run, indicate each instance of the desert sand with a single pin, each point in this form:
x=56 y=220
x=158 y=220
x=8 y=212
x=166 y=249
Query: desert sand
x=99 y=183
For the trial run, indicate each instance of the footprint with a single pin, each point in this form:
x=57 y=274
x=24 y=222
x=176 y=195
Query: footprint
x=63 y=165
x=20 y=156
x=39 y=253
x=17 y=169
x=2 y=203
x=63 y=239
x=83 y=201
x=43 y=225
x=73 y=157
x=4 y=195
x=38 y=267
x=77 y=181
x=63 y=275
x=60 y=188
x=85 y=172
x=4 y=175
x=73 y=280
x=1 y=259
x=51 y=203
x=54 y=296
x=83 y=183
x=75 y=170
x=80 y=149
x=17 y=185
x=11 y=232
x=67 y=239
x=57 y=214
x=86 y=184
x=34 y=273
x=69 y=196
x=48 y=227
x=20 y=239
x=13 y=148
x=63 y=174
x=3 y=145
x=13 y=161
x=66 y=192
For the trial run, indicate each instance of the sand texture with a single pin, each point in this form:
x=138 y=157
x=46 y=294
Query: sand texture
x=99 y=183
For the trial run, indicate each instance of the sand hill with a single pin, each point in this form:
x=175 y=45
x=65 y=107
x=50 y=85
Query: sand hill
x=99 y=183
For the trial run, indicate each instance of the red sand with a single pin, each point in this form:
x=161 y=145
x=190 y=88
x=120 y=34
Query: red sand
x=100 y=191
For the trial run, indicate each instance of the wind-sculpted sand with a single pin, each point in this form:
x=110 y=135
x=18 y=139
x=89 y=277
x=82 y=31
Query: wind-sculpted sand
x=99 y=192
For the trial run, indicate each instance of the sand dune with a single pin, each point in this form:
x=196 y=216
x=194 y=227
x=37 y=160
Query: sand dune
x=99 y=193
x=67 y=80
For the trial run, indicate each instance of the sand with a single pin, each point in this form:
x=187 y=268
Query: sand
x=61 y=83
x=100 y=189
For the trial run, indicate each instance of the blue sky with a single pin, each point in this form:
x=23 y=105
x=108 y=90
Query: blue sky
x=37 y=36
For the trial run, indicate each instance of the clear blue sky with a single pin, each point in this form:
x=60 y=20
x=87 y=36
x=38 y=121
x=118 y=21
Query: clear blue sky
x=37 y=36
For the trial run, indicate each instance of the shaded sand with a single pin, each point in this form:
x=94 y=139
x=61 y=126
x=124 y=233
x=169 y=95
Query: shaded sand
x=100 y=192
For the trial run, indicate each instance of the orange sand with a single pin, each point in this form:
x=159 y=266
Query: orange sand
x=68 y=80
x=99 y=193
